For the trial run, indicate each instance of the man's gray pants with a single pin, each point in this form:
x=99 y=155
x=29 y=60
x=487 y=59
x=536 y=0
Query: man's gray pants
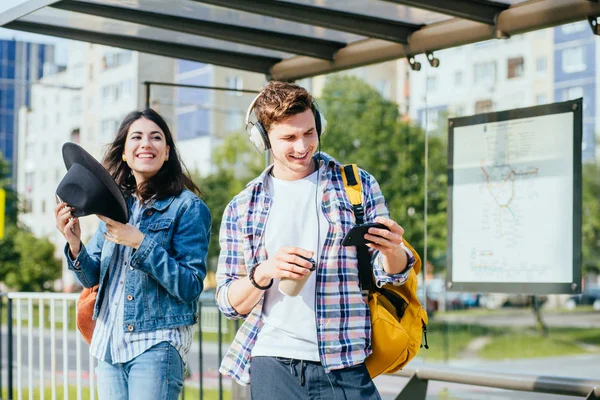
x=277 y=378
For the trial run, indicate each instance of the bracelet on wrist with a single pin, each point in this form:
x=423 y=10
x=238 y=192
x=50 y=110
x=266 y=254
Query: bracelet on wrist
x=255 y=284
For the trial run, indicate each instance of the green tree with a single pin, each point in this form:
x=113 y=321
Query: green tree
x=27 y=263
x=590 y=218
x=36 y=267
x=11 y=206
x=366 y=129
x=236 y=163
x=9 y=257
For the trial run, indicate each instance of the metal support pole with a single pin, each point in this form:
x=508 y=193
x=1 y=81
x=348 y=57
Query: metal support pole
x=1 y=301
x=415 y=389
x=10 y=350
x=592 y=396
x=239 y=392
x=220 y=354
x=200 y=355
x=147 y=84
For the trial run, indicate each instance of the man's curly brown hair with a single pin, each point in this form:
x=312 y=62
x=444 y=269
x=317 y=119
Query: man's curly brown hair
x=280 y=100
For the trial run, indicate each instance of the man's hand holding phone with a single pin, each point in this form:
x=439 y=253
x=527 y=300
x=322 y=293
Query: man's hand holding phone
x=384 y=235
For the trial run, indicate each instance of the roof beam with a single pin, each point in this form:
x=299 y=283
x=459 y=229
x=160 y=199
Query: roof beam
x=243 y=61
x=380 y=28
x=473 y=10
x=295 y=44
x=520 y=18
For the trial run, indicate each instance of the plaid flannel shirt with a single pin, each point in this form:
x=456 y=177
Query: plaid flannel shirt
x=342 y=315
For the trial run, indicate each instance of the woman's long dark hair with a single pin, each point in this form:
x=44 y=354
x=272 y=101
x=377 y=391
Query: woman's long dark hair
x=170 y=180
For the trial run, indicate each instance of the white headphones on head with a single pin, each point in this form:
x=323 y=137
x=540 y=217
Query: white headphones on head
x=259 y=136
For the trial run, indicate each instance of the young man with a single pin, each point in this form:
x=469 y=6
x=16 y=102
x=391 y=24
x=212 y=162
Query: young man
x=313 y=345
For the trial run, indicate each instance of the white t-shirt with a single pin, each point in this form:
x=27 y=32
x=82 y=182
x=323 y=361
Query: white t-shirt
x=289 y=328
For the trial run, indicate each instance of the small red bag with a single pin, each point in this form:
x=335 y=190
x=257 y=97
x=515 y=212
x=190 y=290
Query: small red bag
x=85 y=312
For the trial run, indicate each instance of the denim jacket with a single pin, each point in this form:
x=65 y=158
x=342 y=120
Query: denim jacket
x=166 y=273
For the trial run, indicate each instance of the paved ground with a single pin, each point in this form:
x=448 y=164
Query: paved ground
x=525 y=318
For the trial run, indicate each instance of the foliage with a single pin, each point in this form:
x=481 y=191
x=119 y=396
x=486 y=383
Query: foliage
x=11 y=206
x=366 y=129
x=27 y=263
x=236 y=163
x=590 y=218
x=33 y=265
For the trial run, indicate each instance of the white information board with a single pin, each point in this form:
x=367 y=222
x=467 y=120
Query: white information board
x=514 y=209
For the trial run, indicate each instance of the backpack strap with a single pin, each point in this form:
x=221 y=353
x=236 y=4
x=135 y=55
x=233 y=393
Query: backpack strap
x=353 y=187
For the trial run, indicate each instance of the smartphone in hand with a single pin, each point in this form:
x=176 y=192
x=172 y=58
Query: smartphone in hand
x=356 y=235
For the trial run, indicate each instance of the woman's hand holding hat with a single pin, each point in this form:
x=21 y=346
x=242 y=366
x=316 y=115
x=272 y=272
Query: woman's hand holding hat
x=124 y=234
x=69 y=227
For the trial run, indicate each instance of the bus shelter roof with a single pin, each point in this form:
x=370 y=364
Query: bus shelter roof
x=291 y=39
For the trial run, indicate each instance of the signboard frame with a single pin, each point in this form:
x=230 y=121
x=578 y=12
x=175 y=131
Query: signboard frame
x=572 y=106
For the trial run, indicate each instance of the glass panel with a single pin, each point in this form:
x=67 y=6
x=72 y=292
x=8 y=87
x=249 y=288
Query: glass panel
x=11 y=10
x=104 y=25
x=187 y=9
x=386 y=9
x=379 y=9
x=505 y=332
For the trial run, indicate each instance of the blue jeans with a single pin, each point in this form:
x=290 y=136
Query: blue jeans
x=277 y=378
x=156 y=374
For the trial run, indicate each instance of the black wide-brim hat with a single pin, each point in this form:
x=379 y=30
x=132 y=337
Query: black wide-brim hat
x=89 y=188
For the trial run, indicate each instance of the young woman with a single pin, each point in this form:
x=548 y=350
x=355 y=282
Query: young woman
x=150 y=270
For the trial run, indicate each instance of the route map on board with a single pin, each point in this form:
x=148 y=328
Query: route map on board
x=512 y=200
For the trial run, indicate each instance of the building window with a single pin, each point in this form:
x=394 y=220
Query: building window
x=234 y=82
x=106 y=96
x=541 y=64
x=573 y=59
x=516 y=67
x=483 y=106
x=75 y=105
x=458 y=78
x=431 y=84
x=459 y=111
x=574 y=27
x=29 y=177
x=574 y=92
x=75 y=136
x=383 y=87
x=113 y=60
x=541 y=99
x=126 y=87
x=108 y=127
x=433 y=118
x=27 y=206
x=484 y=73
x=233 y=121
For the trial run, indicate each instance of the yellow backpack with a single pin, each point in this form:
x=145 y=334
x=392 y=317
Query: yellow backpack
x=398 y=321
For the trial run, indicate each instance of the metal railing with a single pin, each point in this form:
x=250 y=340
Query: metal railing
x=416 y=388
x=22 y=334
x=44 y=350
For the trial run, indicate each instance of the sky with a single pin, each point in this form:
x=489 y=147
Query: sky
x=61 y=44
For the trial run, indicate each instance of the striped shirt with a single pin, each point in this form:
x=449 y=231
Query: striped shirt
x=342 y=315
x=109 y=342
